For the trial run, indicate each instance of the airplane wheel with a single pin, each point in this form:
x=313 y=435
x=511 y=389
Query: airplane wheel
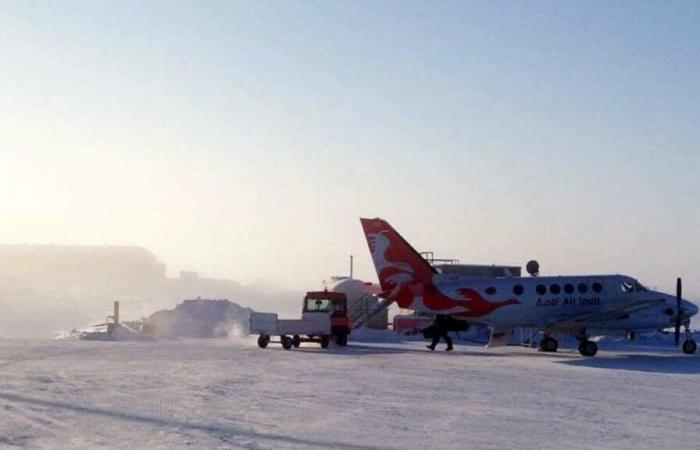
x=296 y=341
x=588 y=348
x=287 y=342
x=549 y=344
x=325 y=340
x=263 y=341
x=689 y=347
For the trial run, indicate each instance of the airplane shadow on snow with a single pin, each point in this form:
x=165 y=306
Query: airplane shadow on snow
x=680 y=364
x=360 y=349
x=222 y=431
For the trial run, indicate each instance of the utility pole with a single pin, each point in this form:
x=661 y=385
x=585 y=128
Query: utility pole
x=116 y=313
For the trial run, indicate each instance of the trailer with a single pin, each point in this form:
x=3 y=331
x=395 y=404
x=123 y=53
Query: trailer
x=323 y=316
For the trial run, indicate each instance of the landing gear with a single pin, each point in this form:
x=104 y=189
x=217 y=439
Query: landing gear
x=689 y=346
x=549 y=344
x=587 y=348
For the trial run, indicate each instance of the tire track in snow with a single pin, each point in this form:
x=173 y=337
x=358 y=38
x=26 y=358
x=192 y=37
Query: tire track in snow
x=238 y=434
x=33 y=357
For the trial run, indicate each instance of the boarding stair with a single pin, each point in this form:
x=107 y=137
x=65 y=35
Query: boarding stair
x=365 y=308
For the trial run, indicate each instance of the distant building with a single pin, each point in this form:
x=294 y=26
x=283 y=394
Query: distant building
x=188 y=275
x=79 y=262
x=75 y=275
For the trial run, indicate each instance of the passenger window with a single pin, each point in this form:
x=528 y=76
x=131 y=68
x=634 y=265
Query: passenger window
x=597 y=287
x=518 y=290
x=582 y=288
x=569 y=288
x=541 y=289
x=491 y=290
x=555 y=289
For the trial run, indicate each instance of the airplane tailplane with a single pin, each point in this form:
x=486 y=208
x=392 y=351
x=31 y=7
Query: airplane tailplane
x=396 y=262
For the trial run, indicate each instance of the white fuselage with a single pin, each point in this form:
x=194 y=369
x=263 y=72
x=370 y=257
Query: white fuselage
x=545 y=302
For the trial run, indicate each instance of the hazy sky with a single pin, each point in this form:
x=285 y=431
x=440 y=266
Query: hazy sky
x=245 y=139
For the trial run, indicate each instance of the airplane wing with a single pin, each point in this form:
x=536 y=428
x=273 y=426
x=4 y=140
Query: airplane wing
x=601 y=316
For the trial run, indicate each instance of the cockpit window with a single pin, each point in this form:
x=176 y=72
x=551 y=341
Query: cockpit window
x=629 y=286
x=632 y=286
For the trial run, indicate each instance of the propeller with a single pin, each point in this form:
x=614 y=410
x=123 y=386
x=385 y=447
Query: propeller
x=679 y=291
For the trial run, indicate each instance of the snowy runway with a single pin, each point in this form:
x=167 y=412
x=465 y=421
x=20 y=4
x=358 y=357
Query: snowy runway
x=230 y=394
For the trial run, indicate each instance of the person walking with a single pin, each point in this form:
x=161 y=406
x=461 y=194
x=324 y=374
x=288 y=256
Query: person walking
x=437 y=331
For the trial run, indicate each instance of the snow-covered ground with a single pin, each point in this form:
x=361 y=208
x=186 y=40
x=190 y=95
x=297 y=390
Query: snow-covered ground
x=230 y=394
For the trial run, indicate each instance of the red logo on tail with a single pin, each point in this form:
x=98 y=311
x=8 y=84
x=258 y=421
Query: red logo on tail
x=397 y=263
x=404 y=275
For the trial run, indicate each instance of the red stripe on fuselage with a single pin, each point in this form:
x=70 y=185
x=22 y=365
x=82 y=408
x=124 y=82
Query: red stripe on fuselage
x=471 y=303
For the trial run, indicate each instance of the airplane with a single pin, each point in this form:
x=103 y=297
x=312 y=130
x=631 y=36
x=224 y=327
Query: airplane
x=581 y=305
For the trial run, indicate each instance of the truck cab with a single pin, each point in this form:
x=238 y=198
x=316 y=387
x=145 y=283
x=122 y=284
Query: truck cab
x=333 y=303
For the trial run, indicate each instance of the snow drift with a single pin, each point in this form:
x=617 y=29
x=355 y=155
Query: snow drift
x=200 y=319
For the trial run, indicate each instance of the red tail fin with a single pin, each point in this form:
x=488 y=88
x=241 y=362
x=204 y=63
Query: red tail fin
x=396 y=262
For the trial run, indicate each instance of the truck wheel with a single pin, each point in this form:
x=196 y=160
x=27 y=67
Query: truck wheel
x=325 y=340
x=263 y=341
x=287 y=342
x=342 y=339
x=296 y=341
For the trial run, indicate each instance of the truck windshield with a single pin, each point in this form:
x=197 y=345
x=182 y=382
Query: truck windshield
x=317 y=305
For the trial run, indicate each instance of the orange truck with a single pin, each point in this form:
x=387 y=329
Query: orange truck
x=324 y=316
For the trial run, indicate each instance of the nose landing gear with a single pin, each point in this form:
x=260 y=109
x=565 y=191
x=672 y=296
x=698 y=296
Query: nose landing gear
x=689 y=345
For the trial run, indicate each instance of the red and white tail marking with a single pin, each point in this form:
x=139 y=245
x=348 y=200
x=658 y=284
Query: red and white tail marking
x=396 y=262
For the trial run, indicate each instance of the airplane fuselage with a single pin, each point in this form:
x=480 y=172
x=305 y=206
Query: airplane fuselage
x=572 y=304
x=545 y=302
